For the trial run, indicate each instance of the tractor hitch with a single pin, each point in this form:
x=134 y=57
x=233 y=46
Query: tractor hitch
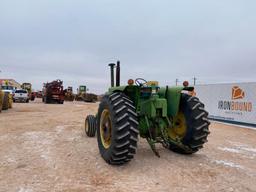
x=152 y=145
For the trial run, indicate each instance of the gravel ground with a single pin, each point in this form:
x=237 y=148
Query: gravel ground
x=43 y=147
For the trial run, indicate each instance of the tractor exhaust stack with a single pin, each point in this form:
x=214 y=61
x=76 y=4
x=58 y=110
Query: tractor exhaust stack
x=112 y=65
x=118 y=74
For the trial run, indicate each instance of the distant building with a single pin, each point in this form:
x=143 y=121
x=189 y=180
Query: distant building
x=10 y=82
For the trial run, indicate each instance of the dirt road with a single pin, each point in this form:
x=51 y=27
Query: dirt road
x=44 y=148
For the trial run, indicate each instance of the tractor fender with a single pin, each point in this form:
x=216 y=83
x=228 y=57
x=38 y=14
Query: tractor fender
x=172 y=95
x=116 y=89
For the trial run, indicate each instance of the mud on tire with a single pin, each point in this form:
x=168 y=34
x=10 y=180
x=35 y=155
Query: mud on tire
x=124 y=131
x=197 y=125
x=90 y=126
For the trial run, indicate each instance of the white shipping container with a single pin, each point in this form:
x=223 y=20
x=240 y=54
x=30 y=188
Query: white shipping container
x=233 y=102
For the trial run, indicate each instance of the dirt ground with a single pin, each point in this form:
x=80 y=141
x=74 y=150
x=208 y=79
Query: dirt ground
x=43 y=147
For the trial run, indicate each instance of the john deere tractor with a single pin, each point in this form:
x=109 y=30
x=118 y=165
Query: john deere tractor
x=82 y=95
x=171 y=116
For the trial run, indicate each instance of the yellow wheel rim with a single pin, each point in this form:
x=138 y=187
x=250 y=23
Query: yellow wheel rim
x=105 y=128
x=179 y=128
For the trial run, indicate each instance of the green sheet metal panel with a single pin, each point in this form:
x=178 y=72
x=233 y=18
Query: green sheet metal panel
x=173 y=99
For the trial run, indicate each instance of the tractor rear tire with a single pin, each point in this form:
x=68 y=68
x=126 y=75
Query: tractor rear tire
x=5 y=101
x=197 y=125
x=32 y=98
x=90 y=126
x=117 y=129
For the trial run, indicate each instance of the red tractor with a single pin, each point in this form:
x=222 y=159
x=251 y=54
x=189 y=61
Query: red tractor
x=53 y=92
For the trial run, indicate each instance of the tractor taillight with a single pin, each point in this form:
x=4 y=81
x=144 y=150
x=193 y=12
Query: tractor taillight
x=130 y=82
x=185 y=83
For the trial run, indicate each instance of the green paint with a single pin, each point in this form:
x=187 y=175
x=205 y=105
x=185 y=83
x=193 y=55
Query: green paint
x=150 y=106
x=82 y=89
x=172 y=94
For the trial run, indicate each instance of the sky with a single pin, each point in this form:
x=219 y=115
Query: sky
x=163 y=40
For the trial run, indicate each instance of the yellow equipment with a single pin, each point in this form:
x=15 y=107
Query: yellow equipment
x=5 y=97
x=1 y=99
x=10 y=101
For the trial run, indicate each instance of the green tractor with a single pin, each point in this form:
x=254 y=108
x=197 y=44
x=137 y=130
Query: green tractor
x=83 y=95
x=171 y=116
x=81 y=91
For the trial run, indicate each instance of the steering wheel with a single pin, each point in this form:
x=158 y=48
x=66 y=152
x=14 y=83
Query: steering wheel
x=140 y=82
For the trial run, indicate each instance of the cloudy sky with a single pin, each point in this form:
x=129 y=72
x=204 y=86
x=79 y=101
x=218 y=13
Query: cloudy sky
x=74 y=40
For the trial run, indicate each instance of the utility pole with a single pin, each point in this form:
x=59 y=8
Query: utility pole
x=176 y=82
x=194 y=79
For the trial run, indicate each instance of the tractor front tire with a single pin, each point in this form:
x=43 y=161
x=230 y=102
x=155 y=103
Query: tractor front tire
x=117 y=129
x=46 y=100
x=196 y=123
x=90 y=126
x=5 y=101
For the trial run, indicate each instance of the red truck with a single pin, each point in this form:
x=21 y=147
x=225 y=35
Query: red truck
x=53 y=92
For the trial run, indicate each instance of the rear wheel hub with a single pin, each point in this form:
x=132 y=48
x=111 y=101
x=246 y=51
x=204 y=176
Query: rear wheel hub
x=105 y=128
x=178 y=131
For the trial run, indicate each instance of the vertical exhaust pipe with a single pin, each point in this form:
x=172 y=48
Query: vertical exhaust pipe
x=118 y=74
x=112 y=65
